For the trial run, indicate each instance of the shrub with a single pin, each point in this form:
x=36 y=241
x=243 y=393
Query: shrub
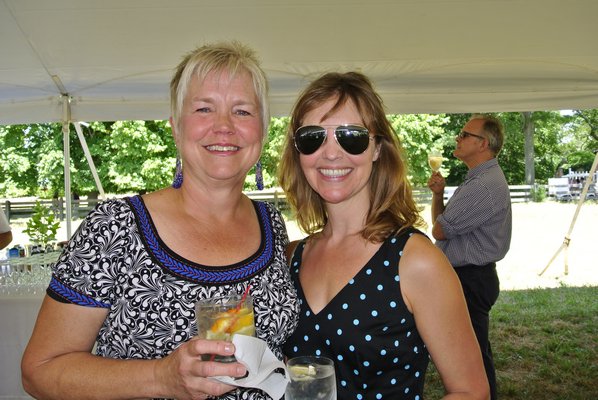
x=42 y=226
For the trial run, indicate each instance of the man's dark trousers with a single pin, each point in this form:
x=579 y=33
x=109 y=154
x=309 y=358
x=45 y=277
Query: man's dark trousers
x=481 y=288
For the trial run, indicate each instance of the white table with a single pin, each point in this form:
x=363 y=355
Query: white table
x=22 y=288
x=18 y=313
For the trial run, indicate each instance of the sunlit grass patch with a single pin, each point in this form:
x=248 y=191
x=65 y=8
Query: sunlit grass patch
x=544 y=343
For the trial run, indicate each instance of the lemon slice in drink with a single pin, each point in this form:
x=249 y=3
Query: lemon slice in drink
x=302 y=372
x=236 y=321
x=222 y=324
x=243 y=324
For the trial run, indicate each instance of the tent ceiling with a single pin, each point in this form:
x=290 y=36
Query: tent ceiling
x=115 y=57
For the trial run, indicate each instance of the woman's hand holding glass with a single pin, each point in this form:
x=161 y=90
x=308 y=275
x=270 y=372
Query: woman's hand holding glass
x=183 y=374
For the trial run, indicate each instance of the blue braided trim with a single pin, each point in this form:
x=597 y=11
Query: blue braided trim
x=73 y=296
x=206 y=276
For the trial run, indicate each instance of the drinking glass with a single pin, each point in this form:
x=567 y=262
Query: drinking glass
x=435 y=160
x=220 y=318
x=311 y=378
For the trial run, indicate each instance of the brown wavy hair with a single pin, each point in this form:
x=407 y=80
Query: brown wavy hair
x=392 y=207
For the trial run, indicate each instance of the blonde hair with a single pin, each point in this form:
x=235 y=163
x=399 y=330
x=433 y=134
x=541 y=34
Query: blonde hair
x=232 y=57
x=392 y=206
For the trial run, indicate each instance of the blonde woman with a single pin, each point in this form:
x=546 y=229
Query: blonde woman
x=131 y=275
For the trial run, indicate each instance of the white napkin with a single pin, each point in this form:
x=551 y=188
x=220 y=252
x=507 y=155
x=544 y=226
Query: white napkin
x=260 y=362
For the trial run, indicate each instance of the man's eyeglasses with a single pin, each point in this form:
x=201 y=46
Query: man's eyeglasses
x=354 y=139
x=465 y=135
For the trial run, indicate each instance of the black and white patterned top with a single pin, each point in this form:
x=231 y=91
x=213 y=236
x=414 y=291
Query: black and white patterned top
x=117 y=261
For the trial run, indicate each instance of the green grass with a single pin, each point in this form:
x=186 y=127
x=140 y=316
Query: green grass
x=544 y=343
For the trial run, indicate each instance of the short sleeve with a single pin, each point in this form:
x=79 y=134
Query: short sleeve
x=89 y=267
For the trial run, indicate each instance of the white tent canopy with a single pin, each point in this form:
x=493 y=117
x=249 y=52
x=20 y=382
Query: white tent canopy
x=103 y=60
x=114 y=58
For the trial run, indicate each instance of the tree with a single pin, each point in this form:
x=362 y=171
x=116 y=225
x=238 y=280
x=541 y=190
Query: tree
x=549 y=137
x=22 y=146
x=418 y=134
x=270 y=154
x=582 y=142
x=142 y=155
x=590 y=119
x=528 y=149
x=137 y=156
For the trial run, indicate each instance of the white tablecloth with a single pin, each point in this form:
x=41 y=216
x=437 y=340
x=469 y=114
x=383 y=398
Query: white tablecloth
x=18 y=313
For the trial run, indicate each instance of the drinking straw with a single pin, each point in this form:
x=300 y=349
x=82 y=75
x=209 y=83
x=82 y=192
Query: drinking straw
x=237 y=308
x=245 y=293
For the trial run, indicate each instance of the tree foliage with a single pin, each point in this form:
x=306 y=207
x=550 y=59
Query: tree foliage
x=139 y=156
x=270 y=154
x=418 y=134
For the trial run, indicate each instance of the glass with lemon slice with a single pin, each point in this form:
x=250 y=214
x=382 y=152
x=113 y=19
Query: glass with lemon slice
x=220 y=318
x=311 y=378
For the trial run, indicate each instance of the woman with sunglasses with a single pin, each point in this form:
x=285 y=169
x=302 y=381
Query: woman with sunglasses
x=376 y=294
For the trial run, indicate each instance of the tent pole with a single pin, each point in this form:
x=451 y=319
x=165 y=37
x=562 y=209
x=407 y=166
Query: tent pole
x=567 y=240
x=92 y=166
x=66 y=119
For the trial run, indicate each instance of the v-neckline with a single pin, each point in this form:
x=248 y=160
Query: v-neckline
x=299 y=253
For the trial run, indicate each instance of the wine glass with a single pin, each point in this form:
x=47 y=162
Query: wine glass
x=435 y=160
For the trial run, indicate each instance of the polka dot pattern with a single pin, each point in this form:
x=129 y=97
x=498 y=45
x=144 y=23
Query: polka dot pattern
x=367 y=329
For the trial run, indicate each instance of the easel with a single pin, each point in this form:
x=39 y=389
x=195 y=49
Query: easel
x=567 y=240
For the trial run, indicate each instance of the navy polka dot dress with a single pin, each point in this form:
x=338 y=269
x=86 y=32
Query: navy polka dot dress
x=366 y=329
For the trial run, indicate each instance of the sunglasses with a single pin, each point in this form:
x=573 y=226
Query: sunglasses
x=354 y=139
x=465 y=135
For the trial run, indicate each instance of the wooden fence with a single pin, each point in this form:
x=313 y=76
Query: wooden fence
x=519 y=193
x=24 y=208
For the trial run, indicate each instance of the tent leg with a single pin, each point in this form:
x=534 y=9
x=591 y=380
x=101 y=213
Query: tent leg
x=565 y=244
x=92 y=166
x=582 y=197
x=66 y=106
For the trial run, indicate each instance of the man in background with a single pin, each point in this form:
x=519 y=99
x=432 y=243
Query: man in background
x=474 y=228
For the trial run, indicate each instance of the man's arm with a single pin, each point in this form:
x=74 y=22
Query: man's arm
x=5 y=239
x=436 y=184
x=437 y=209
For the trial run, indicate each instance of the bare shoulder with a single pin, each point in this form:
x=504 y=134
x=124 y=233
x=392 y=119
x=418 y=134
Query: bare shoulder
x=422 y=259
x=426 y=274
x=420 y=247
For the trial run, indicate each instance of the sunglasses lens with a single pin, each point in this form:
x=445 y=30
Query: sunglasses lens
x=352 y=138
x=308 y=139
